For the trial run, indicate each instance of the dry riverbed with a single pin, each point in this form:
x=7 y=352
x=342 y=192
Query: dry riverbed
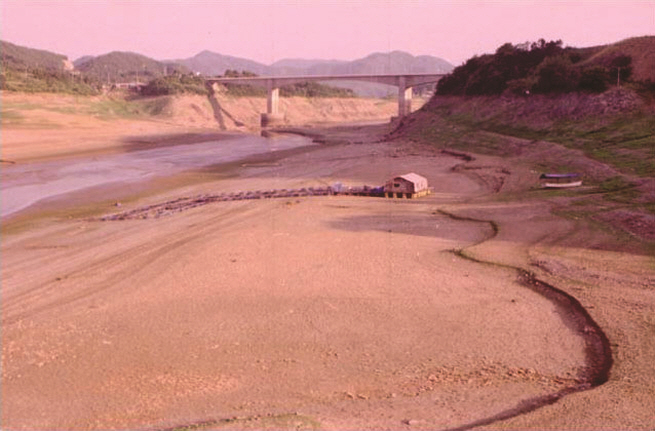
x=323 y=311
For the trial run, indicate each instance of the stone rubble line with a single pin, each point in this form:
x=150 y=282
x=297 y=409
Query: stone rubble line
x=181 y=204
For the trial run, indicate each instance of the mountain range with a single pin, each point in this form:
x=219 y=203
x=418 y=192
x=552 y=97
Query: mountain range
x=129 y=66
x=212 y=64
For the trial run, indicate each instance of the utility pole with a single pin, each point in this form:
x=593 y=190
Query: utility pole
x=618 y=76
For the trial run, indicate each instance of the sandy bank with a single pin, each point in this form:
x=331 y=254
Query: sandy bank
x=46 y=126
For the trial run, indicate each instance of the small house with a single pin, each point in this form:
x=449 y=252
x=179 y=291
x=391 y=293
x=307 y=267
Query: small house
x=406 y=186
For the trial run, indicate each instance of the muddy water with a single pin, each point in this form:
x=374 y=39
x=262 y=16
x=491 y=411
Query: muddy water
x=25 y=185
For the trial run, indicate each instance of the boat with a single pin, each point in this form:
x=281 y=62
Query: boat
x=560 y=181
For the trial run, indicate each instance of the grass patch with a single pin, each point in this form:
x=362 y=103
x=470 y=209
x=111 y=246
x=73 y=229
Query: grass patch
x=24 y=123
x=134 y=108
x=103 y=108
x=70 y=110
x=281 y=421
x=617 y=189
x=21 y=106
x=32 y=218
x=643 y=142
x=622 y=237
x=11 y=117
x=47 y=81
x=111 y=108
x=555 y=193
x=650 y=207
x=625 y=141
x=614 y=184
x=518 y=131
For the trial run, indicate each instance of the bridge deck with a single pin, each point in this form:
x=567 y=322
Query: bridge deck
x=410 y=79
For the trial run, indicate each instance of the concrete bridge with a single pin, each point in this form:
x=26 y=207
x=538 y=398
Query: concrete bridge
x=404 y=82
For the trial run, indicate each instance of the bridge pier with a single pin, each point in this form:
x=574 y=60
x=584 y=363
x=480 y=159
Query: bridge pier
x=404 y=101
x=273 y=99
x=404 y=97
x=272 y=115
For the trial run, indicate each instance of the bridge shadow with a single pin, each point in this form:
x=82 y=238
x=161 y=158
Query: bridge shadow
x=219 y=111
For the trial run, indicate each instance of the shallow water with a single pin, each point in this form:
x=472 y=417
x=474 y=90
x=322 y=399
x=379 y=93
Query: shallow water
x=25 y=185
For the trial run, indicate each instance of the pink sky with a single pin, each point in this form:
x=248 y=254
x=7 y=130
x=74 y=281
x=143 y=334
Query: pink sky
x=267 y=31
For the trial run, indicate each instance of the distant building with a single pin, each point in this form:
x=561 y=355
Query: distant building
x=68 y=65
x=129 y=85
x=406 y=186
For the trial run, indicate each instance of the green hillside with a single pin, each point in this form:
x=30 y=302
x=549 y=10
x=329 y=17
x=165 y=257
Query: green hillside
x=640 y=49
x=127 y=67
x=33 y=70
x=20 y=58
x=549 y=68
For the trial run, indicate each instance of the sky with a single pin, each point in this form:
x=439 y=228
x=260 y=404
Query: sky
x=268 y=31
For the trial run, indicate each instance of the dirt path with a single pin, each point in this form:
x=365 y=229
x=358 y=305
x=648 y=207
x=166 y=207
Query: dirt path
x=325 y=312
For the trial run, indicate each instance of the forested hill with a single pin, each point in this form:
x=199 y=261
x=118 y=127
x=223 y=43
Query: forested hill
x=548 y=67
x=127 y=66
x=35 y=70
x=21 y=58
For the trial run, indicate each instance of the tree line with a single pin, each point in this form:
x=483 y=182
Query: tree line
x=541 y=67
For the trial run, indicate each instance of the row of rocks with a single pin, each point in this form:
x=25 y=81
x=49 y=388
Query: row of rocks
x=186 y=203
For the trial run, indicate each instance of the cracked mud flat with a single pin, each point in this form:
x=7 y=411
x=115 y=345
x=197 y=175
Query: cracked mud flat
x=328 y=312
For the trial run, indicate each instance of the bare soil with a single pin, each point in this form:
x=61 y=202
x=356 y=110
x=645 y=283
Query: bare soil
x=323 y=312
